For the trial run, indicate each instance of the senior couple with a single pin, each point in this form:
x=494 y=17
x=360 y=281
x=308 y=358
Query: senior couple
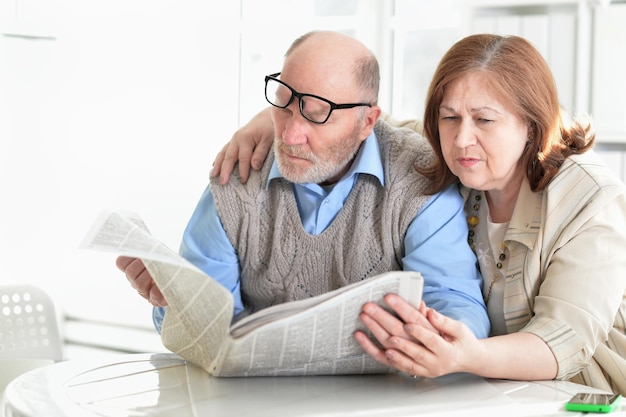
x=338 y=193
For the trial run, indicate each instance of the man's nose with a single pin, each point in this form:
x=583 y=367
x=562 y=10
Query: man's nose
x=296 y=126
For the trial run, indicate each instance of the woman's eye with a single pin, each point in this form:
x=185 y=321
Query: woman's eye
x=482 y=120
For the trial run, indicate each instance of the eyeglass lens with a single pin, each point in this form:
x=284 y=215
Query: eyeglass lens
x=312 y=108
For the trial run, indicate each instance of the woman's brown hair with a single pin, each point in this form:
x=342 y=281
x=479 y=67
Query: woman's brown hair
x=517 y=72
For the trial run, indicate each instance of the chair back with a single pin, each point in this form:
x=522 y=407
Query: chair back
x=28 y=324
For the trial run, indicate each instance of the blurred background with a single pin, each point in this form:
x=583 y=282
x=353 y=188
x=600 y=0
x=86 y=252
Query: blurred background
x=123 y=104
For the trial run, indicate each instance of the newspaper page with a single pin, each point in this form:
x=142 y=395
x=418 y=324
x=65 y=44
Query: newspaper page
x=318 y=340
x=199 y=311
x=306 y=337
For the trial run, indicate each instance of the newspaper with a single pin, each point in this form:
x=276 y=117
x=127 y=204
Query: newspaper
x=307 y=337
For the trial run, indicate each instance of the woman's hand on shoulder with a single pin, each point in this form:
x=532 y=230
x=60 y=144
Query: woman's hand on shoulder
x=249 y=147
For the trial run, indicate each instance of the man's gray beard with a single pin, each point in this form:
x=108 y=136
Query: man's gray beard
x=319 y=172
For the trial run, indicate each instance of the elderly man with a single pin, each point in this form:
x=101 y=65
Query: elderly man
x=337 y=201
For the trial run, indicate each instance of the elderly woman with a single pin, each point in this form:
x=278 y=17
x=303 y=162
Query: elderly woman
x=547 y=221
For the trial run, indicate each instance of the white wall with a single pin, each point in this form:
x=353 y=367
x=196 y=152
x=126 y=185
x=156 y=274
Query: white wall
x=123 y=104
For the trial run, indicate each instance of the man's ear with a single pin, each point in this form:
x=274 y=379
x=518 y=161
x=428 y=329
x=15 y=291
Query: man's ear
x=371 y=117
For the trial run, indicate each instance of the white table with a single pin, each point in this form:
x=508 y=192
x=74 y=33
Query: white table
x=165 y=385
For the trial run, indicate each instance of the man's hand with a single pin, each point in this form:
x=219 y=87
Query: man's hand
x=140 y=279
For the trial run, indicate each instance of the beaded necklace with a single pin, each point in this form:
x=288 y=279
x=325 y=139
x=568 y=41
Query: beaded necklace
x=472 y=222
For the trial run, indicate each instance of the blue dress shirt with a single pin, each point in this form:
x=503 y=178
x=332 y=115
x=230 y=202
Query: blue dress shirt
x=435 y=242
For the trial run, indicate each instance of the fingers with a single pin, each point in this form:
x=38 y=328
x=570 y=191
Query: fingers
x=380 y=322
x=227 y=158
x=244 y=155
x=418 y=341
x=155 y=297
x=371 y=348
x=411 y=363
x=238 y=150
x=260 y=153
x=383 y=325
x=450 y=349
x=403 y=355
x=379 y=332
x=122 y=262
x=450 y=329
x=423 y=308
x=404 y=342
x=406 y=311
x=424 y=353
x=394 y=324
x=395 y=346
x=217 y=164
x=141 y=280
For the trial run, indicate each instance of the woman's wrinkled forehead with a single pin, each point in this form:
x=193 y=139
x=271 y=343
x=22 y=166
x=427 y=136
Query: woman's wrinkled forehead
x=478 y=89
x=471 y=85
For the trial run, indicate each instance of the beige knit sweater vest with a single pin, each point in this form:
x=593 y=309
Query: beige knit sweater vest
x=280 y=262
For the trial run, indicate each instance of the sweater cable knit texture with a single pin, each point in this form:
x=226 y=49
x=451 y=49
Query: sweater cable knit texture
x=281 y=262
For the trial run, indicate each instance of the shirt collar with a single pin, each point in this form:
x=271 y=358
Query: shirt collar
x=367 y=161
x=526 y=219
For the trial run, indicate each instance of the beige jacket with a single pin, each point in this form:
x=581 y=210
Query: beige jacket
x=566 y=278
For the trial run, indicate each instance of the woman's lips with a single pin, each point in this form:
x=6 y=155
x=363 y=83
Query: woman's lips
x=468 y=162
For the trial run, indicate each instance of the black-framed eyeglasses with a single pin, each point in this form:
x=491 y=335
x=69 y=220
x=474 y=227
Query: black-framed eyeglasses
x=314 y=108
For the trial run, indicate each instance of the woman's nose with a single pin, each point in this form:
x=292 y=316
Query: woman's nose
x=465 y=135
